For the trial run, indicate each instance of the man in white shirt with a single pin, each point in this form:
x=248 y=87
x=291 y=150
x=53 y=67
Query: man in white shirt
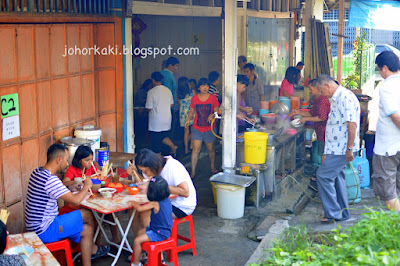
x=341 y=141
x=159 y=102
x=386 y=159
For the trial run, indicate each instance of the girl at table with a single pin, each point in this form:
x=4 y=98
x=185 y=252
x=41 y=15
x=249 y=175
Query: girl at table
x=160 y=218
x=178 y=179
x=83 y=159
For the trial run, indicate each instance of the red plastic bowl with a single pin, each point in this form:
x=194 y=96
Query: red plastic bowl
x=118 y=189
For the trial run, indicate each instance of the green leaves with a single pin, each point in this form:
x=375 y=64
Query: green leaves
x=374 y=240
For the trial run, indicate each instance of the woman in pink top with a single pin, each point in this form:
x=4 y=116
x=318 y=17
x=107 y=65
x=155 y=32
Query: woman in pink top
x=291 y=78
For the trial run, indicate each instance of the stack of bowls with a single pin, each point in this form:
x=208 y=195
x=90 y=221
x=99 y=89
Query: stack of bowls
x=269 y=119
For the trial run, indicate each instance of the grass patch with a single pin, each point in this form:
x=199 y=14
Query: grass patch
x=374 y=240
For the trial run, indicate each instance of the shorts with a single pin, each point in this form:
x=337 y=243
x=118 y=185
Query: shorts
x=69 y=225
x=154 y=236
x=178 y=212
x=207 y=137
x=386 y=176
x=320 y=147
x=156 y=140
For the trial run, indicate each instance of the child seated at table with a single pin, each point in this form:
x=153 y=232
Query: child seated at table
x=83 y=159
x=160 y=219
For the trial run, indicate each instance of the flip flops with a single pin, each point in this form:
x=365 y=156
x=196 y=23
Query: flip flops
x=325 y=220
x=101 y=251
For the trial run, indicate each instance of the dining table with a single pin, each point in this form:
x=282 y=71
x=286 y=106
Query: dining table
x=119 y=202
x=30 y=244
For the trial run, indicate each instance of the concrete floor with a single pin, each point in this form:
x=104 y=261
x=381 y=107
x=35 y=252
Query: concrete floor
x=218 y=241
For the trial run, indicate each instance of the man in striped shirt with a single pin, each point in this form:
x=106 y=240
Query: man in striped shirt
x=41 y=210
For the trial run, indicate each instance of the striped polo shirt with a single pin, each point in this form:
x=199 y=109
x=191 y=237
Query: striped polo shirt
x=41 y=201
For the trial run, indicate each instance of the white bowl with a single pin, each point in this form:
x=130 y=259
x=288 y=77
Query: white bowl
x=107 y=192
x=296 y=122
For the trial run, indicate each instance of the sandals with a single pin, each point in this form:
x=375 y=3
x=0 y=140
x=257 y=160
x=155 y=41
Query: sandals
x=325 y=220
x=101 y=251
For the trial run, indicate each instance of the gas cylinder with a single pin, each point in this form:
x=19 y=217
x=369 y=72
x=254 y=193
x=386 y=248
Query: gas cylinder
x=361 y=165
x=352 y=184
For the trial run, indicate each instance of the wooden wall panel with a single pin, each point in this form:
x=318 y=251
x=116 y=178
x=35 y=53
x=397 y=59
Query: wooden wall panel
x=75 y=99
x=61 y=133
x=44 y=143
x=16 y=223
x=12 y=173
x=42 y=47
x=27 y=110
x=88 y=96
x=7 y=55
x=57 y=49
x=108 y=125
x=25 y=54
x=29 y=161
x=44 y=106
x=86 y=40
x=104 y=38
x=72 y=41
x=106 y=85
x=59 y=102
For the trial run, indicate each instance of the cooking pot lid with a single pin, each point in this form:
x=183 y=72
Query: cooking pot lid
x=76 y=141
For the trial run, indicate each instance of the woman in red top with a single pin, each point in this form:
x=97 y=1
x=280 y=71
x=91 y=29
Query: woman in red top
x=291 y=79
x=204 y=104
x=319 y=115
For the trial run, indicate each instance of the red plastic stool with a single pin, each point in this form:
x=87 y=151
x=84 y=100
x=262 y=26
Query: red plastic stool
x=62 y=245
x=190 y=241
x=154 y=250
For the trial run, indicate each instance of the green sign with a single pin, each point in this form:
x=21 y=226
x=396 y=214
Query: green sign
x=9 y=105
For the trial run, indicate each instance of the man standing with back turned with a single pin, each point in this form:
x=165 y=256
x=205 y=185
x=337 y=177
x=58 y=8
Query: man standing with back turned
x=386 y=159
x=341 y=141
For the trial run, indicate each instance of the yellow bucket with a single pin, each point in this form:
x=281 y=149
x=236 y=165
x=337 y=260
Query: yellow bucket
x=214 y=192
x=255 y=147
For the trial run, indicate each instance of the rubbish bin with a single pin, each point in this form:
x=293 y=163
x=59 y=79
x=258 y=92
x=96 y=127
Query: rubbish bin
x=230 y=201
x=230 y=190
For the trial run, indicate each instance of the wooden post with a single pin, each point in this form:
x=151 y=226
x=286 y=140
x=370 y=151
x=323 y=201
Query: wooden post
x=340 y=42
x=229 y=92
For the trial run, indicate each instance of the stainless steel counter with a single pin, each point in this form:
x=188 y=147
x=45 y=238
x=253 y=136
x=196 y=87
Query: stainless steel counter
x=283 y=157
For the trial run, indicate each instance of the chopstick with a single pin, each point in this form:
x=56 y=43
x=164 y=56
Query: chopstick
x=94 y=168
x=84 y=178
x=136 y=174
x=25 y=252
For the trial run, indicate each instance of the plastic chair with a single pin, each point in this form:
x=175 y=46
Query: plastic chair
x=59 y=246
x=190 y=241
x=154 y=250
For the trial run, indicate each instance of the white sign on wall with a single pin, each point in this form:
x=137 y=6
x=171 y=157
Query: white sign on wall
x=11 y=127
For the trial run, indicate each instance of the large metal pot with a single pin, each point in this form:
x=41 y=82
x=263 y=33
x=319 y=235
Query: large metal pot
x=73 y=144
